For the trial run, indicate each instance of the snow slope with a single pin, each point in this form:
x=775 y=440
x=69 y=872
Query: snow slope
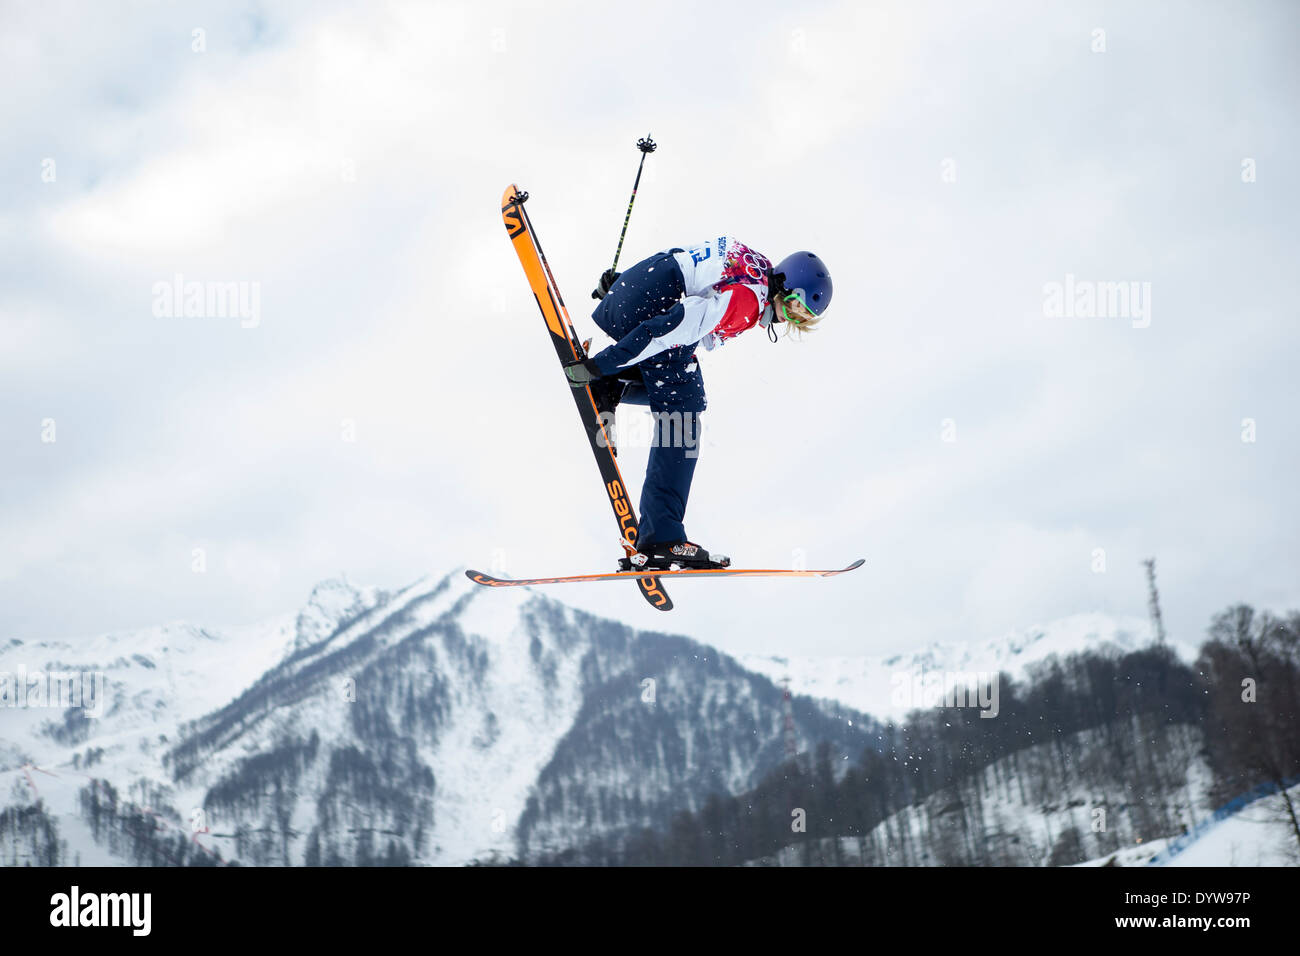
x=1259 y=834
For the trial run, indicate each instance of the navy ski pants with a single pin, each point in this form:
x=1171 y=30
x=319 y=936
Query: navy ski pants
x=671 y=385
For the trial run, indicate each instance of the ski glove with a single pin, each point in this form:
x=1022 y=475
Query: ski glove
x=607 y=280
x=582 y=372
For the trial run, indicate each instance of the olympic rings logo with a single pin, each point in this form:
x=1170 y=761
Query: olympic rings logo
x=756 y=266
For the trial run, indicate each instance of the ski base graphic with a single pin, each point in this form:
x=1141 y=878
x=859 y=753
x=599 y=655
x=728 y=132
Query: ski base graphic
x=568 y=347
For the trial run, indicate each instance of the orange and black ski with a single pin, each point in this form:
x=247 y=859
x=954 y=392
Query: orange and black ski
x=569 y=348
x=478 y=577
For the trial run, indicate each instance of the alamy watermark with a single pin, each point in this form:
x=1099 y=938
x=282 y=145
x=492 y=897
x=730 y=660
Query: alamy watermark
x=913 y=690
x=75 y=908
x=54 y=689
x=1086 y=299
x=656 y=430
x=193 y=299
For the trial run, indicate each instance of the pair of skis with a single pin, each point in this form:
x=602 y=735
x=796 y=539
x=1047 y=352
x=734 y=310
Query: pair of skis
x=568 y=348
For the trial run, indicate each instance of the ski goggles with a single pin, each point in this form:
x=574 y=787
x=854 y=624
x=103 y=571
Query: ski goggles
x=794 y=319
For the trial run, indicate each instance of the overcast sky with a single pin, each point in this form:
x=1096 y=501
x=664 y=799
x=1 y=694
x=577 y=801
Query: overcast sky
x=949 y=161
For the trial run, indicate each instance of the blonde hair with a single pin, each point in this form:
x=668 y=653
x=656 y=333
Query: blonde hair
x=802 y=327
x=807 y=325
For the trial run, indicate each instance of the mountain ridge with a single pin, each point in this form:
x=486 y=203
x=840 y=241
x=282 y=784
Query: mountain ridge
x=436 y=723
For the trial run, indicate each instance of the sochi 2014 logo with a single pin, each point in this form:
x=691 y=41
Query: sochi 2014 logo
x=745 y=263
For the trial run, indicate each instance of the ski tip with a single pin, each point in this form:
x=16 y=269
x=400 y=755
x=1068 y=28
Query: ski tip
x=654 y=593
x=852 y=567
x=513 y=196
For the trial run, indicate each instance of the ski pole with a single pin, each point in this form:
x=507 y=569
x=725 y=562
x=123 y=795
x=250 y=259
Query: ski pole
x=646 y=146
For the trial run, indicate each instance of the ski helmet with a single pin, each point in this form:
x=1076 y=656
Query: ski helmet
x=805 y=275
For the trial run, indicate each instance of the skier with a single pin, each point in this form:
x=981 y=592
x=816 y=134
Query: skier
x=658 y=311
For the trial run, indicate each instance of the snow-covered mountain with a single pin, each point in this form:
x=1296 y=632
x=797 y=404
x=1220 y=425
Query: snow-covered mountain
x=440 y=724
x=871 y=683
x=444 y=723
x=153 y=681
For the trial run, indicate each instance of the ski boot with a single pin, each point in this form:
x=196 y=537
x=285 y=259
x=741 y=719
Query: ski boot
x=672 y=556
